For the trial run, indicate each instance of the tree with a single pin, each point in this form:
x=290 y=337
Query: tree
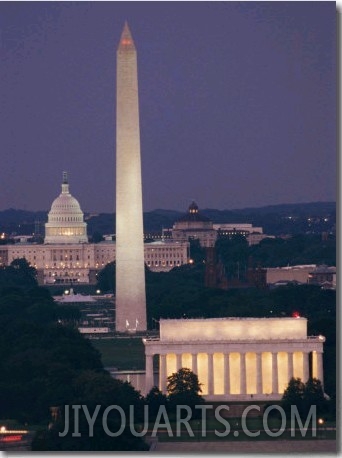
x=97 y=237
x=234 y=253
x=106 y=278
x=197 y=253
x=154 y=399
x=314 y=395
x=184 y=388
x=96 y=390
x=304 y=396
x=19 y=274
x=293 y=396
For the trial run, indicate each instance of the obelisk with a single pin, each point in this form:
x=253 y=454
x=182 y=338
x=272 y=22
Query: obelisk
x=130 y=266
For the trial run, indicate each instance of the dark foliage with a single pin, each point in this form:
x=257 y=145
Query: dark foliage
x=155 y=399
x=19 y=274
x=237 y=256
x=45 y=364
x=234 y=253
x=96 y=392
x=303 y=396
x=106 y=278
x=184 y=388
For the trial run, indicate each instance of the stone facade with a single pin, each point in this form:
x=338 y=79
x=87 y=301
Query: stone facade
x=194 y=225
x=298 y=274
x=254 y=235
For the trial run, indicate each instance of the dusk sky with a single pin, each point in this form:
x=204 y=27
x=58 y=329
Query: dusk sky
x=237 y=102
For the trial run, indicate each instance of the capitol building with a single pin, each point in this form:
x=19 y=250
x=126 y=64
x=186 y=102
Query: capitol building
x=66 y=257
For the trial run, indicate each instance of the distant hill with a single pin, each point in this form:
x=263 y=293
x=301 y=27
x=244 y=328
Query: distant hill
x=313 y=208
x=313 y=217
x=14 y=216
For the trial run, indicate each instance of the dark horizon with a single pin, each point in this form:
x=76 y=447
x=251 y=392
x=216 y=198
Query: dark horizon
x=325 y=202
x=237 y=102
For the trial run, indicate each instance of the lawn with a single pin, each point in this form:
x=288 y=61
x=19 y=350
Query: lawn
x=233 y=430
x=122 y=353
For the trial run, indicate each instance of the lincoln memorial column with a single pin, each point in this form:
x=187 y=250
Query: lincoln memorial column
x=162 y=373
x=149 y=382
x=275 y=388
x=290 y=365
x=194 y=363
x=210 y=373
x=243 y=386
x=178 y=361
x=305 y=367
x=258 y=373
x=226 y=374
x=320 y=376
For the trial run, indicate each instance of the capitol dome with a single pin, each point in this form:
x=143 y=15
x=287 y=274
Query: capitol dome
x=65 y=219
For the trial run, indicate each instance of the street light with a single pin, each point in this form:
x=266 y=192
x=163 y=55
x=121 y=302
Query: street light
x=320 y=422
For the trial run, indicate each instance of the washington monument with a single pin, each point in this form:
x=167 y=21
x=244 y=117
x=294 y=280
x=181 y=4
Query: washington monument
x=130 y=267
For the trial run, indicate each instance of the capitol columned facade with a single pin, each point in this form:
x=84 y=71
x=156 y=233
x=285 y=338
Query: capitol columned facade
x=66 y=257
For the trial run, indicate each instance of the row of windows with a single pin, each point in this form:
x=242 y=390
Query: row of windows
x=167 y=255
x=66 y=252
x=163 y=249
x=64 y=218
x=20 y=256
x=62 y=266
x=163 y=263
x=65 y=231
x=66 y=257
x=194 y=236
x=67 y=274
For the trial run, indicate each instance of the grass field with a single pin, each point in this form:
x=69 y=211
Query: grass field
x=232 y=429
x=122 y=353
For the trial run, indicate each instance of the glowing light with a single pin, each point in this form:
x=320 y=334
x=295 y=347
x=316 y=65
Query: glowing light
x=15 y=438
x=296 y=315
x=320 y=421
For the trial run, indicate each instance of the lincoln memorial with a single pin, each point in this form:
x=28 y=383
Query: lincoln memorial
x=236 y=358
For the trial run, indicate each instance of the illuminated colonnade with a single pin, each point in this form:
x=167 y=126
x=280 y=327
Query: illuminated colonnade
x=257 y=361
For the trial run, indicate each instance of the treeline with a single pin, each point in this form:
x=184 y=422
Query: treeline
x=315 y=217
x=237 y=256
x=46 y=364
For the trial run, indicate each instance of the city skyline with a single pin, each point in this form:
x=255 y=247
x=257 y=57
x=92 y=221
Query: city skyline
x=237 y=102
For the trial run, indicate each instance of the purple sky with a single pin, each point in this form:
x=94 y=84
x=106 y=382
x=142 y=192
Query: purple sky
x=237 y=102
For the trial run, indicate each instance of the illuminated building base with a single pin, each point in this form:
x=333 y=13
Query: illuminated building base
x=236 y=358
